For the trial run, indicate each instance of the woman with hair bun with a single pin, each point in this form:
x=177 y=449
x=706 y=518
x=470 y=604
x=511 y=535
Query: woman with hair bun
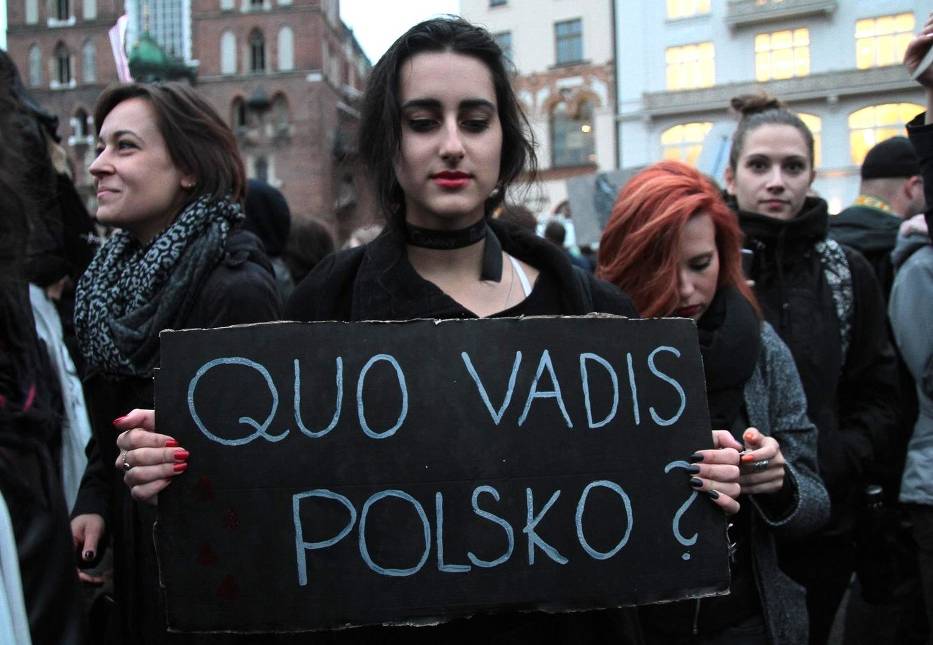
x=674 y=245
x=825 y=303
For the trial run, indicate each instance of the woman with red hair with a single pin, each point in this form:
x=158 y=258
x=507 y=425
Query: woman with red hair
x=674 y=246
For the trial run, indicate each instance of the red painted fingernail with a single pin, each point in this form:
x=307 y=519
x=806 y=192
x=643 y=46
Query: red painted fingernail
x=171 y=443
x=181 y=454
x=180 y=468
x=747 y=458
x=118 y=420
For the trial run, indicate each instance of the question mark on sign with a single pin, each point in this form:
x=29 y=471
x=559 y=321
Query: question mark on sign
x=685 y=541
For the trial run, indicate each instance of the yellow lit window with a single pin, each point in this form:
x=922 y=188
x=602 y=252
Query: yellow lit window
x=684 y=142
x=782 y=54
x=883 y=40
x=690 y=66
x=686 y=8
x=876 y=123
x=815 y=124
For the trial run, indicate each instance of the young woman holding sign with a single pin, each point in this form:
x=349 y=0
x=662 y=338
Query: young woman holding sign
x=444 y=138
x=673 y=244
x=170 y=180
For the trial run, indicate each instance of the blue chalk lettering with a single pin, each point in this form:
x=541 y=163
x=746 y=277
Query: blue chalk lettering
x=359 y=397
x=364 y=550
x=675 y=524
x=631 y=382
x=336 y=417
x=492 y=518
x=260 y=428
x=593 y=553
x=667 y=379
x=495 y=414
x=532 y=523
x=584 y=375
x=439 y=516
x=533 y=393
x=300 y=545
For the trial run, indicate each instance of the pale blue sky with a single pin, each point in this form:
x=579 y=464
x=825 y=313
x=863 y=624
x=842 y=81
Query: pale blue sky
x=377 y=23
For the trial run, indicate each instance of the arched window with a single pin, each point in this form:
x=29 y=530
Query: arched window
x=876 y=123
x=572 y=141
x=257 y=51
x=89 y=62
x=684 y=142
x=286 y=49
x=35 y=66
x=227 y=5
x=62 y=65
x=228 y=53
x=262 y=169
x=89 y=10
x=79 y=123
x=238 y=113
x=280 y=117
x=815 y=124
x=32 y=12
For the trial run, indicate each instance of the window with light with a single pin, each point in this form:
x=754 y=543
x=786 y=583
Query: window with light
x=690 y=66
x=782 y=54
x=572 y=141
x=684 y=142
x=876 y=123
x=882 y=41
x=815 y=124
x=686 y=8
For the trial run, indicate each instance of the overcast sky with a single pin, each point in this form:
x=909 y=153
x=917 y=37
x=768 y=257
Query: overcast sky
x=377 y=23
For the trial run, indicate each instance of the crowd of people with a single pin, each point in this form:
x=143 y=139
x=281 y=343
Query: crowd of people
x=814 y=331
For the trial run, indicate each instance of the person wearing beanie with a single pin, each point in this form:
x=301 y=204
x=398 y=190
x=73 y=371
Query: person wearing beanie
x=891 y=191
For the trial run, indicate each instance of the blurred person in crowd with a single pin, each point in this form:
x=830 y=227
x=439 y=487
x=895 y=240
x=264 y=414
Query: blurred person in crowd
x=891 y=191
x=825 y=303
x=675 y=246
x=310 y=242
x=517 y=215
x=269 y=218
x=40 y=600
x=443 y=155
x=556 y=233
x=170 y=180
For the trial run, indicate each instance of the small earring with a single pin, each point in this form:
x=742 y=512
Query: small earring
x=187 y=185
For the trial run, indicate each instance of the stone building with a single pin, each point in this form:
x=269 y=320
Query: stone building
x=562 y=54
x=287 y=74
x=836 y=63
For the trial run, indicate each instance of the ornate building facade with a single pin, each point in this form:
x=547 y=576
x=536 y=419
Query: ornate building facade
x=287 y=74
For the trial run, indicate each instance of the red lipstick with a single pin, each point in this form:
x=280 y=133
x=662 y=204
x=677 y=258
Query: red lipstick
x=687 y=312
x=451 y=179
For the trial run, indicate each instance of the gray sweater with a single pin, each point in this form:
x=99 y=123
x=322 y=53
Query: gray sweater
x=776 y=405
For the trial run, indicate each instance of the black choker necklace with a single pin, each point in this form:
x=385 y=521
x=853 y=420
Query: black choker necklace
x=445 y=240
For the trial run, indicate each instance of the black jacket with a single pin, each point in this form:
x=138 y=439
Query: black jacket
x=376 y=282
x=873 y=233
x=241 y=289
x=850 y=400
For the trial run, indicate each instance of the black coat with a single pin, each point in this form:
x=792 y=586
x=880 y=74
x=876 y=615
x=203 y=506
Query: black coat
x=376 y=282
x=871 y=232
x=240 y=290
x=851 y=401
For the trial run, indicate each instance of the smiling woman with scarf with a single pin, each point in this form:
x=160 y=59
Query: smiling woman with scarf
x=825 y=303
x=170 y=180
x=673 y=245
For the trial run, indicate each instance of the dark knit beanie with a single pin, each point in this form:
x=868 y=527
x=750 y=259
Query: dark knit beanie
x=894 y=157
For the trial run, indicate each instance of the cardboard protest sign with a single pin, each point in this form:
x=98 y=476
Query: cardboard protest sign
x=367 y=473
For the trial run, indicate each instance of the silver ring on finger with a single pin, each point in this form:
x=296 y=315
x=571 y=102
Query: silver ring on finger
x=124 y=464
x=760 y=466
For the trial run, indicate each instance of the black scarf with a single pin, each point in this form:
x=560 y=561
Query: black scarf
x=131 y=292
x=730 y=336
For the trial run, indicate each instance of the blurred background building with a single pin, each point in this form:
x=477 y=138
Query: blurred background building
x=287 y=74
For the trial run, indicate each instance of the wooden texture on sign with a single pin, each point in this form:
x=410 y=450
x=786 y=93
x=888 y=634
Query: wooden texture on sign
x=367 y=473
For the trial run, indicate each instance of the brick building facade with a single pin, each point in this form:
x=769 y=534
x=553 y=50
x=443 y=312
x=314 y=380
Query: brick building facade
x=286 y=74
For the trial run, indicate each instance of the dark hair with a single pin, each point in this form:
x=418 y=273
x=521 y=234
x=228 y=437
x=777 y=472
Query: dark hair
x=310 y=242
x=380 y=128
x=555 y=232
x=518 y=215
x=198 y=141
x=762 y=109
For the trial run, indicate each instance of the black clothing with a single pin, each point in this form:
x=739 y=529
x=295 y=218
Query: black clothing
x=872 y=232
x=851 y=399
x=239 y=290
x=376 y=282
